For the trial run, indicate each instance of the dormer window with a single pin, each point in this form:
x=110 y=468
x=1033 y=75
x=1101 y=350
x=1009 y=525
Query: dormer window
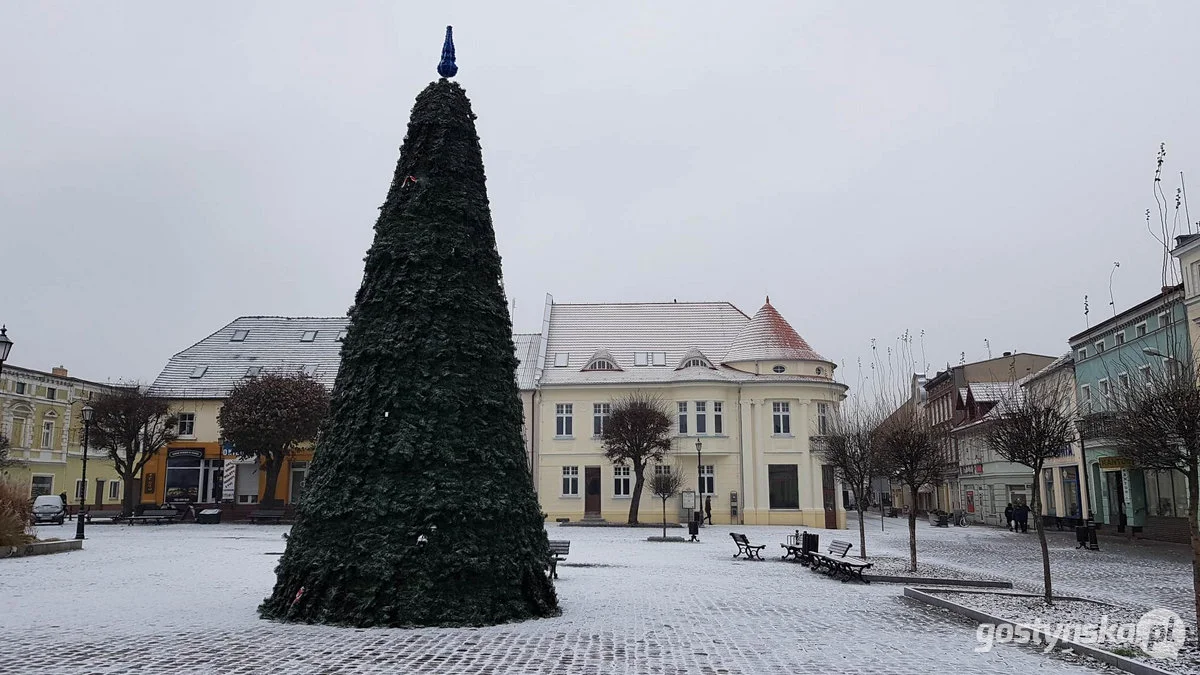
x=308 y=336
x=560 y=359
x=602 y=360
x=696 y=363
x=239 y=336
x=649 y=358
x=693 y=358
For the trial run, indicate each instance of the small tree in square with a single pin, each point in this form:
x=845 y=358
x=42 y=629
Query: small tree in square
x=1031 y=424
x=665 y=484
x=851 y=445
x=910 y=454
x=637 y=432
x=132 y=427
x=266 y=418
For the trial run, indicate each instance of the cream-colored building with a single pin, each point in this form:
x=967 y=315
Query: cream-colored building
x=40 y=416
x=749 y=391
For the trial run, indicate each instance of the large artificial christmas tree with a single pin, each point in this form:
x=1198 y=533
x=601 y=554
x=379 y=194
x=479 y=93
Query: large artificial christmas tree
x=419 y=508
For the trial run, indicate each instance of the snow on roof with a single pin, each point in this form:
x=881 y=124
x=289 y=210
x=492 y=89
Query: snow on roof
x=253 y=345
x=769 y=337
x=990 y=392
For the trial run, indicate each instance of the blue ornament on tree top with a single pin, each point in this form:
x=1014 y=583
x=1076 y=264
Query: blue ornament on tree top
x=447 y=67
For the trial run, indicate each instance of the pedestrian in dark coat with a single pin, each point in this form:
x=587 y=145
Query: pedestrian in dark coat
x=1022 y=515
x=708 y=509
x=1008 y=516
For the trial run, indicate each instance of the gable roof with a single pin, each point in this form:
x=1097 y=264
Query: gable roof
x=769 y=337
x=273 y=344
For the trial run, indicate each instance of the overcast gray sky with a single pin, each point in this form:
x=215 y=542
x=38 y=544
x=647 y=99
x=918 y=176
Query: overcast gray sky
x=965 y=169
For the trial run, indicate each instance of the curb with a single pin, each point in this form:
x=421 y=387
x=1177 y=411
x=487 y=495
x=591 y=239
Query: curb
x=1126 y=664
x=970 y=583
x=43 y=548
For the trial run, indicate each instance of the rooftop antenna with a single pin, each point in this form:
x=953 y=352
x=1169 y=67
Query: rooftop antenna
x=1183 y=189
x=1111 y=302
x=989 y=347
x=1087 y=323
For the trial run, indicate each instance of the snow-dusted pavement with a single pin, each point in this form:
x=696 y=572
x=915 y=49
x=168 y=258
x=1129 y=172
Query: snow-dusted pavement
x=181 y=599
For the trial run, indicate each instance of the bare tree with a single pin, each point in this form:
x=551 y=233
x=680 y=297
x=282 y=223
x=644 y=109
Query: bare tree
x=665 y=484
x=1156 y=423
x=638 y=431
x=851 y=445
x=131 y=426
x=910 y=454
x=7 y=462
x=1032 y=423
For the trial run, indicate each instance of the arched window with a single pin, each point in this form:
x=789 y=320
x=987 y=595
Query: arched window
x=602 y=364
x=696 y=363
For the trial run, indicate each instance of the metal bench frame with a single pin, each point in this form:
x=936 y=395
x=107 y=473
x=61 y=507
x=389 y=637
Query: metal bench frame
x=559 y=550
x=751 y=551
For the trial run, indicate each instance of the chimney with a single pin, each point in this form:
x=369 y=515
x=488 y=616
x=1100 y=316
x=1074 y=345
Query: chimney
x=1008 y=353
x=58 y=371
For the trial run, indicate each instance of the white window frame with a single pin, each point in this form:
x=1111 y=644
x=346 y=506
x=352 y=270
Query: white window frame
x=718 y=418
x=1119 y=337
x=570 y=481
x=1082 y=353
x=708 y=479
x=641 y=358
x=696 y=363
x=681 y=423
x=600 y=414
x=1164 y=319
x=47 y=439
x=658 y=358
x=1144 y=373
x=701 y=417
x=564 y=420
x=781 y=418
x=1140 y=329
x=561 y=358
x=622 y=485
x=1099 y=346
x=309 y=336
x=1085 y=396
x=80 y=489
x=1105 y=389
x=114 y=489
x=239 y=335
x=822 y=418
x=1123 y=381
x=186 y=423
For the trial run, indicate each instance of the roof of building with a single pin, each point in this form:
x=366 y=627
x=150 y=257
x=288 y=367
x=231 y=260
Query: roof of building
x=649 y=341
x=1061 y=362
x=989 y=392
x=1163 y=297
x=769 y=337
x=251 y=345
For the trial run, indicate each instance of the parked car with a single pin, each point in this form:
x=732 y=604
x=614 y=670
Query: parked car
x=49 y=509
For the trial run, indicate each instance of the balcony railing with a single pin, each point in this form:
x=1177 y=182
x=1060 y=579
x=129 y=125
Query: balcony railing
x=1096 y=425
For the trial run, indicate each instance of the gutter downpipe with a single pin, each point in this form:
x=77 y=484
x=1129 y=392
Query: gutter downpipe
x=741 y=460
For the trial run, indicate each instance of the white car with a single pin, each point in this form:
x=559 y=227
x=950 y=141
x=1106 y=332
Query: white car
x=49 y=509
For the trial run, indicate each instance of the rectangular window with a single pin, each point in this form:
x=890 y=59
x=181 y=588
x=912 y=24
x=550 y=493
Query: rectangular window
x=1104 y=388
x=51 y=393
x=600 y=413
x=308 y=336
x=701 y=417
x=80 y=489
x=114 y=489
x=341 y=335
x=41 y=485
x=564 y=422
x=1100 y=347
x=187 y=424
x=641 y=359
x=1085 y=396
x=47 y=436
x=1083 y=353
x=660 y=469
x=1121 y=338
x=718 y=415
x=1123 y=381
x=18 y=432
x=198 y=372
x=659 y=358
x=683 y=409
x=784 y=483
x=1164 y=320
x=570 y=485
x=239 y=336
x=782 y=417
x=1144 y=373
x=822 y=418
x=621 y=481
x=1140 y=329
x=560 y=359
x=20 y=387
x=707 y=479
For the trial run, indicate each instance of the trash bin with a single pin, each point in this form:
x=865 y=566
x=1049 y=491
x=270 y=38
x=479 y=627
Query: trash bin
x=209 y=517
x=694 y=528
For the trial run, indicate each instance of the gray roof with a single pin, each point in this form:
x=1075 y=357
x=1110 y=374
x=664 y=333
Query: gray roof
x=276 y=344
x=673 y=329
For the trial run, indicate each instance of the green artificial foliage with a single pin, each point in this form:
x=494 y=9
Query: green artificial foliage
x=419 y=509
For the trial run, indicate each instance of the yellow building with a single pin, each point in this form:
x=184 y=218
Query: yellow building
x=40 y=416
x=750 y=392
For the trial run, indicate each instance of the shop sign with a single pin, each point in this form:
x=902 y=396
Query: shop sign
x=185 y=453
x=1107 y=463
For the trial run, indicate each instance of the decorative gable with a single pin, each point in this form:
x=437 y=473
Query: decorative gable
x=601 y=360
x=694 y=358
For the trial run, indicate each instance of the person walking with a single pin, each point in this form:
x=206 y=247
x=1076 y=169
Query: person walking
x=1022 y=515
x=708 y=509
x=1008 y=516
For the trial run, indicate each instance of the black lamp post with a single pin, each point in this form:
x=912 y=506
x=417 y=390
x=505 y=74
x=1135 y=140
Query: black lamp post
x=699 y=482
x=88 y=411
x=5 y=346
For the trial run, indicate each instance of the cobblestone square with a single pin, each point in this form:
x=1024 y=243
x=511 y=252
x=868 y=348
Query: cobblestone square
x=181 y=599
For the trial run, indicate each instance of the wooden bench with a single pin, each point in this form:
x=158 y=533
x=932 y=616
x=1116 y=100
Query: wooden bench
x=559 y=550
x=800 y=547
x=111 y=515
x=939 y=519
x=156 y=516
x=746 y=548
x=836 y=563
x=266 y=516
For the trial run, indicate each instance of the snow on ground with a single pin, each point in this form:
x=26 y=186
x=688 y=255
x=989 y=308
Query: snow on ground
x=181 y=599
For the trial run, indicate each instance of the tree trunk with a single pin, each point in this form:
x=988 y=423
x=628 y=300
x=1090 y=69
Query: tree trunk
x=862 y=531
x=128 y=496
x=664 y=519
x=1193 y=504
x=273 y=467
x=912 y=531
x=636 y=497
x=1040 y=527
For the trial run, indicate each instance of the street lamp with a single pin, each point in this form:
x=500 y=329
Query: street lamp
x=699 y=482
x=1151 y=351
x=5 y=346
x=87 y=411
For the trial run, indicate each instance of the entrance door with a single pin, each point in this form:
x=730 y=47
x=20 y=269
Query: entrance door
x=1116 y=499
x=591 y=491
x=828 y=493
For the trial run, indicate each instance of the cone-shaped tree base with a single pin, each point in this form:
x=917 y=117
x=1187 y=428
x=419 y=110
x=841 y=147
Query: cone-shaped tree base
x=419 y=508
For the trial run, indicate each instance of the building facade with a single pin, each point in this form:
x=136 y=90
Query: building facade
x=1109 y=356
x=748 y=390
x=40 y=415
